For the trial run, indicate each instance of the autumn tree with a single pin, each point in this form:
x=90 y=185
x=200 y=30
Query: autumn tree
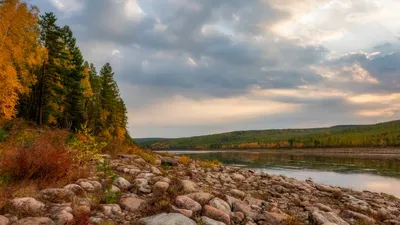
x=20 y=52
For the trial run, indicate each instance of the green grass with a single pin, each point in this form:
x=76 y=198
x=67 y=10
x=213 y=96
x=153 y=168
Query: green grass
x=381 y=134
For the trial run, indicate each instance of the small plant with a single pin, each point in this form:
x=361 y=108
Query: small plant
x=107 y=177
x=185 y=160
x=209 y=164
x=110 y=197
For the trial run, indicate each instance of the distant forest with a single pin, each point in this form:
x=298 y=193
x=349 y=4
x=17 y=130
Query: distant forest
x=378 y=135
x=44 y=77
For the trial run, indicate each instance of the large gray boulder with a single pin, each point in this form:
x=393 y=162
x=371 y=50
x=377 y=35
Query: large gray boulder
x=27 y=206
x=57 y=195
x=185 y=202
x=320 y=218
x=167 y=219
x=122 y=183
x=169 y=161
x=188 y=186
x=36 y=221
x=209 y=221
x=131 y=204
x=220 y=204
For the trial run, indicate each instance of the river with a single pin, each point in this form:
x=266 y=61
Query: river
x=377 y=171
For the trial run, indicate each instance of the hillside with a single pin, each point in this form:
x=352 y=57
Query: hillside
x=381 y=134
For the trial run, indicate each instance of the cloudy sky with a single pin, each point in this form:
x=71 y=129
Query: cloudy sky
x=192 y=67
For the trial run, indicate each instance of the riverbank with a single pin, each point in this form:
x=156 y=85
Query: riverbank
x=372 y=153
x=157 y=189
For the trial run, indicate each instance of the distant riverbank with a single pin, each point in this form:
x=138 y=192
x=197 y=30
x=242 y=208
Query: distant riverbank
x=371 y=153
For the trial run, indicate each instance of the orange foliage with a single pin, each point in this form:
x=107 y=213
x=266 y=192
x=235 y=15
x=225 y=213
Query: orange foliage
x=185 y=160
x=19 y=53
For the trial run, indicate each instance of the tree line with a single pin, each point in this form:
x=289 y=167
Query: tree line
x=377 y=135
x=44 y=77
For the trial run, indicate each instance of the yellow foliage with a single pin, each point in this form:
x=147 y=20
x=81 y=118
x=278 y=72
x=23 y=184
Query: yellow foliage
x=185 y=160
x=85 y=83
x=209 y=164
x=19 y=52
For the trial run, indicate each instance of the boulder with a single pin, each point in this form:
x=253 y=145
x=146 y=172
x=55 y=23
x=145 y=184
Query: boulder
x=321 y=218
x=140 y=161
x=188 y=186
x=240 y=206
x=209 y=221
x=185 y=212
x=230 y=200
x=111 y=210
x=237 y=193
x=185 y=202
x=155 y=170
x=168 y=161
x=131 y=203
x=167 y=219
x=114 y=189
x=160 y=187
x=276 y=218
x=36 y=221
x=27 y=206
x=4 y=220
x=78 y=190
x=358 y=216
x=216 y=214
x=201 y=197
x=323 y=207
x=122 y=183
x=140 y=182
x=238 y=177
x=89 y=185
x=220 y=204
x=327 y=188
x=63 y=218
x=57 y=195
x=255 y=201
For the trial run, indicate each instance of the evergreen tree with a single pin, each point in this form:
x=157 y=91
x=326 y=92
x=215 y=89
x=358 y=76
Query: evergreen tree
x=48 y=92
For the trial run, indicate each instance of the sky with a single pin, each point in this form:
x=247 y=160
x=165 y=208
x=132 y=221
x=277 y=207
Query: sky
x=193 y=67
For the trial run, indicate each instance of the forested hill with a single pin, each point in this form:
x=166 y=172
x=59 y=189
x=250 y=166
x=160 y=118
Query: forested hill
x=377 y=135
x=45 y=78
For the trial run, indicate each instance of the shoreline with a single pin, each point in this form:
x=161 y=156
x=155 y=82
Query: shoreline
x=181 y=191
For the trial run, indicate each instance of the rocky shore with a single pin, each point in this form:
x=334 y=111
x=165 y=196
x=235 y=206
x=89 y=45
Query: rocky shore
x=176 y=192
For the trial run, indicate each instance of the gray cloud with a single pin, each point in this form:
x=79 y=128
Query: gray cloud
x=225 y=49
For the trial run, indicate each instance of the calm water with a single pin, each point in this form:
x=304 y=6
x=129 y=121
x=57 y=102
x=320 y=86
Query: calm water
x=378 y=175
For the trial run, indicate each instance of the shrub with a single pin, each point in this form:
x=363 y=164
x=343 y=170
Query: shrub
x=42 y=158
x=185 y=160
x=85 y=148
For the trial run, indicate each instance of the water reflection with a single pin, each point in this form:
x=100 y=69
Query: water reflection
x=378 y=175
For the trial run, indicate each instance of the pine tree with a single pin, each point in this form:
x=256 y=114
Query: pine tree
x=73 y=75
x=113 y=111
